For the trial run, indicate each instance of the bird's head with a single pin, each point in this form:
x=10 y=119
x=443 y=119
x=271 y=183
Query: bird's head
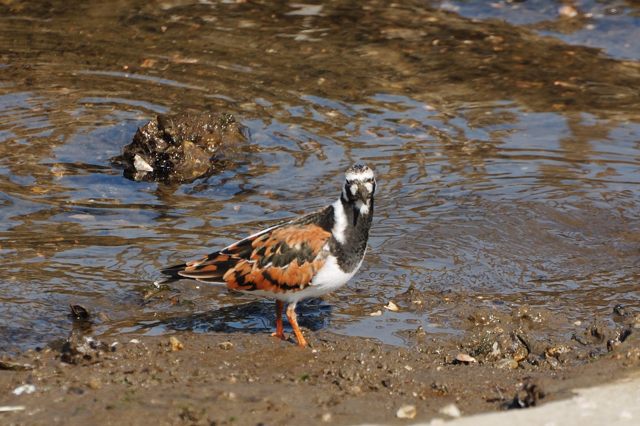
x=359 y=187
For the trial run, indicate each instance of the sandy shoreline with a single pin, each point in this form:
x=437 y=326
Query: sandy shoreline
x=222 y=378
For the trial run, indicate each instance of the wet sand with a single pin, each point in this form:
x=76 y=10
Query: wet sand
x=249 y=379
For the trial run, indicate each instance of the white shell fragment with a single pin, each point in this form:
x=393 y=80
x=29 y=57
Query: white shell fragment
x=568 y=11
x=26 y=389
x=406 y=412
x=451 y=410
x=141 y=165
x=225 y=346
x=10 y=408
x=465 y=358
x=391 y=306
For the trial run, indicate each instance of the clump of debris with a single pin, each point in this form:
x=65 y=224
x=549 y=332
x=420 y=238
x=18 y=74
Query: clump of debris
x=182 y=147
x=84 y=349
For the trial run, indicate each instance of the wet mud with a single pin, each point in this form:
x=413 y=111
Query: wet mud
x=218 y=378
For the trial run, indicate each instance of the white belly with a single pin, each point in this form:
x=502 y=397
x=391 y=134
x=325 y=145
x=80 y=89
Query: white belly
x=329 y=278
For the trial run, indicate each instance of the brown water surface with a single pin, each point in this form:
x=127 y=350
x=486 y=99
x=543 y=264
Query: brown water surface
x=505 y=139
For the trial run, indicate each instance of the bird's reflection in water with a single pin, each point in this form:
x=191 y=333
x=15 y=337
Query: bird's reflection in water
x=253 y=317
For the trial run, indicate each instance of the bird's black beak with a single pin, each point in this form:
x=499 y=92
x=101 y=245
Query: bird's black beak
x=363 y=193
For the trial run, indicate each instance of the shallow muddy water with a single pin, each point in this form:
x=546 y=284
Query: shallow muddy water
x=505 y=139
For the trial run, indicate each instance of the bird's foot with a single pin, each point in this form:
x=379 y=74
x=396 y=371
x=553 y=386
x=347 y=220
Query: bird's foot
x=302 y=343
x=280 y=335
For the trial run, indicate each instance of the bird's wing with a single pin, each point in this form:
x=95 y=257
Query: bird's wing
x=278 y=259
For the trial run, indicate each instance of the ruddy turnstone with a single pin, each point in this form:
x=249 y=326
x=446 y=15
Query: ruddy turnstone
x=305 y=257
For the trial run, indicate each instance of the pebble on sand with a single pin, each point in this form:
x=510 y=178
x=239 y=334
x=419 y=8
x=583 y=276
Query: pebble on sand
x=94 y=383
x=507 y=363
x=225 y=346
x=176 y=345
x=465 y=358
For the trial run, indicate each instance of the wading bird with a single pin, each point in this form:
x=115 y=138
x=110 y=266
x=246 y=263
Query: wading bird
x=305 y=257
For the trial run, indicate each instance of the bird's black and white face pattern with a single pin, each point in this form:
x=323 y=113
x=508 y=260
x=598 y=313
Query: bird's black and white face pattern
x=359 y=187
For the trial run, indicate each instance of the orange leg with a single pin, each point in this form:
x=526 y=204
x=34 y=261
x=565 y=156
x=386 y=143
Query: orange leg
x=291 y=316
x=279 y=328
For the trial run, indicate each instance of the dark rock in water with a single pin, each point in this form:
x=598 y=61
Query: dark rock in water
x=619 y=310
x=621 y=314
x=181 y=148
x=79 y=313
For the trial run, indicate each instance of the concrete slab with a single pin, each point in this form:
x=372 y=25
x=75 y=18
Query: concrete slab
x=615 y=404
x=612 y=404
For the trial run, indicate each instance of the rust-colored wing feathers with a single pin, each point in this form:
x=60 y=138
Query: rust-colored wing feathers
x=282 y=259
x=210 y=268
